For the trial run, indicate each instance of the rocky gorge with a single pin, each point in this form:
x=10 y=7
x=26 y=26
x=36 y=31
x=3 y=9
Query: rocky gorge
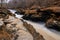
x=12 y=28
x=42 y=14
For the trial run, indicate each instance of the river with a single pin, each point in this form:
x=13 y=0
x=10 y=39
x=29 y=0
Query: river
x=49 y=34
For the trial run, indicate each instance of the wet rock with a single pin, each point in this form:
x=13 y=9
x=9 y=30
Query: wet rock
x=37 y=17
x=33 y=17
x=33 y=32
x=20 y=12
x=53 y=23
x=30 y=17
x=42 y=14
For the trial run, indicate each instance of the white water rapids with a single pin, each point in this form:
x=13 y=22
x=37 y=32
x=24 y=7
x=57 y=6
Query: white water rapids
x=40 y=27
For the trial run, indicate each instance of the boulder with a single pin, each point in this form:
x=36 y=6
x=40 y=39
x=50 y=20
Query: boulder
x=12 y=28
x=53 y=23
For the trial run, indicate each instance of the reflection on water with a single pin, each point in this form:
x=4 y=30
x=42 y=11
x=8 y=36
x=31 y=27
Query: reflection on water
x=38 y=25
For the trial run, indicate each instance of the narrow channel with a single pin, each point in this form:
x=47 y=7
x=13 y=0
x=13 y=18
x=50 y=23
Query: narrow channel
x=40 y=27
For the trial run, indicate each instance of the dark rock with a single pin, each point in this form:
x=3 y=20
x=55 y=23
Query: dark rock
x=19 y=13
x=53 y=23
x=2 y=15
x=37 y=17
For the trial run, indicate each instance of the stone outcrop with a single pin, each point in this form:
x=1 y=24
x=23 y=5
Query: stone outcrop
x=37 y=15
x=33 y=32
x=12 y=28
x=53 y=9
x=53 y=23
x=44 y=15
x=4 y=35
x=20 y=11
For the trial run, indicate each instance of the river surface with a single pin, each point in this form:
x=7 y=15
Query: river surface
x=39 y=26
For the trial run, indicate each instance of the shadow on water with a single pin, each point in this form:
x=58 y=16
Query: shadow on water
x=54 y=31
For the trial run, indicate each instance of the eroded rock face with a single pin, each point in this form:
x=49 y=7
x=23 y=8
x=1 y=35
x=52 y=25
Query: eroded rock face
x=20 y=11
x=32 y=17
x=54 y=20
x=44 y=15
x=17 y=29
x=12 y=28
x=32 y=14
x=36 y=35
x=53 y=9
x=37 y=15
x=53 y=23
x=4 y=35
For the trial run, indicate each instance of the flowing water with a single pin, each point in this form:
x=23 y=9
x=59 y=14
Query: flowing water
x=39 y=26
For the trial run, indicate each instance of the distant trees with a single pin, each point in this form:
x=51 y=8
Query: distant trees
x=30 y=3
